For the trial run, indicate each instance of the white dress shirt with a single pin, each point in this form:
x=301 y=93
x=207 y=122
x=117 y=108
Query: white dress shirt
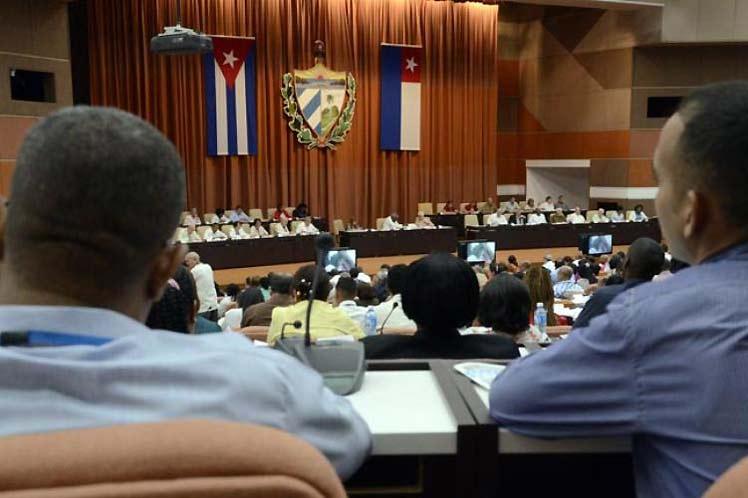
x=547 y=206
x=191 y=220
x=576 y=218
x=638 y=217
x=600 y=218
x=206 y=288
x=304 y=229
x=390 y=224
x=194 y=237
x=255 y=233
x=141 y=376
x=219 y=235
x=617 y=217
x=496 y=219
x=282 y=231
x=213 y=219
x=241 y=217
x=398 y=319
x=536 y=219
x=511 y=206
x=354 y=311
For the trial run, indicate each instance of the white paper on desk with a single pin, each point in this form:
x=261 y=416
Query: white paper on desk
x=561 y=310
x=480 y=373
x=260 y=344
x=580 y=299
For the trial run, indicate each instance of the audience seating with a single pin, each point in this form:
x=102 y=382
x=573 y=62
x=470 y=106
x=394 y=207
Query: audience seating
x=732 y=484
x=471 y=220
x=270 y=212
x=589 y=215
x=255 y=213
x=229 y=213
x=227 y=229
x=256 y=333
x=176 y=459
x=337 y=227
x=522 y=204
x=294 y=225
x=182 y=216
x=426 y=207
x=290 y=209
x=178 y=232
x=463 y=206
x=610 y=213
x=207 y=216
x=480 y=205
x=502 y=205
x=440 y=207
x=274 y=228
x=629 y=215
x=380 y=223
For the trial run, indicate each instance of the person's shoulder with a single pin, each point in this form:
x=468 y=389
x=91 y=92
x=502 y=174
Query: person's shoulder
x=492 y=345
x=385 y=346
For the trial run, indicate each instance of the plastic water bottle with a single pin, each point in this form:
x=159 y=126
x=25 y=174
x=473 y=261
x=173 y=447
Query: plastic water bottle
x=541 y=317
x=370 y=322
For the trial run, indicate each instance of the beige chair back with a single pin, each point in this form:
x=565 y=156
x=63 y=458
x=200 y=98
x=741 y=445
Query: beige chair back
x=201 y=231
x=480 y=205
x=630 y=215
x=380 y=223
x=610 y=214
x=289 y=209
x=207 y=217
x=426 y=207
x=471 y=220
x=178 y=232
x=590 y=214
x=463 y=205
x=175 y=459
x=255 y=213
x=270 y=212
x=274 y=228
x=440 y=206
x=182 y=216
x=229 y=213
x=295 y=225
x=227 y=229
x=337 y=227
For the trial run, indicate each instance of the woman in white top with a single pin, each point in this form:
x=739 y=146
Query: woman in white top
x=423 y=222
x=217 y=234
x=505 y=308
x=258 y=230
x=306 y=228
x=576 y=216
x=638 y=214
x=536 y=218
x=192 y=218
x=547 y=205
x=241 y=231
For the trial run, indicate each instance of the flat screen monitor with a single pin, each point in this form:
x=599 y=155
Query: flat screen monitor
x=477 y=251
x=341 y=259
x=596 y=244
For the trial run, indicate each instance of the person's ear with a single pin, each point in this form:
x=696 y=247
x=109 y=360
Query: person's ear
x=163 y=268
x=694 y=212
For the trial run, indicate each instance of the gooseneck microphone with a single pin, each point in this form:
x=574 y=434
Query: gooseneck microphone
x=296 y=325
x=394 y=306
x=323 y=243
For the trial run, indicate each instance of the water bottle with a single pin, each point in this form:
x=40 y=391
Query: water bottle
x=370 y=322
x=541 y=318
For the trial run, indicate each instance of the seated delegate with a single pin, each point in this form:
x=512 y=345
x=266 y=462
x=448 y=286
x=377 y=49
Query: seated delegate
x=325 y=321
x=440 y=295
x=110 y=269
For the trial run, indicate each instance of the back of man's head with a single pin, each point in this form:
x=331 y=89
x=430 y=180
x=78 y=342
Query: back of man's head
x=713 y=146
x=96 y=197
x=346 y=289
x=564 y=273
x=396 y=278
x=644 y=260
x=281 y=284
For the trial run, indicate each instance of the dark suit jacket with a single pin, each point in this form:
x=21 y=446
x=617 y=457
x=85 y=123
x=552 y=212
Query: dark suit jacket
x=450 y=346
x=600 y=300
x=249 y=296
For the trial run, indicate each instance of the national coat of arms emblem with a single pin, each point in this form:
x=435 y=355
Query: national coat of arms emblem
x=319 y=102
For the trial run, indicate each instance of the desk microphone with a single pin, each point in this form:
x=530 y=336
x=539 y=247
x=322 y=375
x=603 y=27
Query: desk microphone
x=296 y=325
x=394 y=306
x=341 y=363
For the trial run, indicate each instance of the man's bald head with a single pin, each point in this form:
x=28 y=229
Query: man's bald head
x=95 y=198
x=191 y=259
x=644 y=260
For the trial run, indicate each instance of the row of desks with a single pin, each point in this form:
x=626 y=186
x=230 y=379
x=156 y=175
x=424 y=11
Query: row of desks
x=433 y=435
x=370 y=244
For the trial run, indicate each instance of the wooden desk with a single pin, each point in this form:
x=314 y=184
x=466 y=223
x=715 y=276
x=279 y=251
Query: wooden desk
x=377 y=243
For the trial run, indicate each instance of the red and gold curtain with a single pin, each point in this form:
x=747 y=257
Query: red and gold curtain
x=458 y=159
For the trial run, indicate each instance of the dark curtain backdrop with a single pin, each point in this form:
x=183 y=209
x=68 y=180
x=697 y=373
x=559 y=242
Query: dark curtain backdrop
x=458 y=159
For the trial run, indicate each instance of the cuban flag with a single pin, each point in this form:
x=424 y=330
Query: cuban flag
x=401 y=97
x=230 y=97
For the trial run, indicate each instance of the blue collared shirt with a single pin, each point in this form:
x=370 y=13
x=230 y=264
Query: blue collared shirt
x=561 y=288
x=667 y=364
x=144 y=375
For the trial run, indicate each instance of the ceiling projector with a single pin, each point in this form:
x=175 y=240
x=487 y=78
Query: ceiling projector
x=177 y=40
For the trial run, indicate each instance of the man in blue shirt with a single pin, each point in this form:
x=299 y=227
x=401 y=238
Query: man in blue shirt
x=667 y=363
x=81 y=271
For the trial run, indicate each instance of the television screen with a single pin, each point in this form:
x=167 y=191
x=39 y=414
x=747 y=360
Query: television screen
x=596 y=244
x=343 y=259
x=478 y=251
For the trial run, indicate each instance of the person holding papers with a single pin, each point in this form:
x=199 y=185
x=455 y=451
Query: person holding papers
x=306 y=227
x=392 y=222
